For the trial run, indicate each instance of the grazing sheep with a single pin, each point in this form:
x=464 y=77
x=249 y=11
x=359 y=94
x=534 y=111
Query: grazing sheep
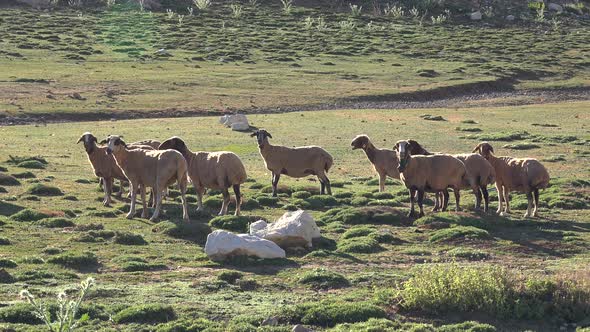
x=525 y=175
x=384 y=161
x=479 y=170
x=103 y=165
x=215 y=170
x=294 y=162
x=150 y=168
x=432 y=173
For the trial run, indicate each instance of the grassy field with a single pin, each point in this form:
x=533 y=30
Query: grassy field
x=373 y=270
x=104 y=64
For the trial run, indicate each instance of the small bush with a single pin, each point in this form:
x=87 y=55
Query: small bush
x=301 y=194
x=290 y=207
x=459 y=232
x=325 y=200
x=199 y=324
x=129 y=238
x=8 y=180
x=250 y=204
x=3 y=190
x=44 y=190
x=32 y=164
x=468 y=129
x=328 y=314
x=360 y=201
x=75 y=260
x=372 y=325
x=365 y=215
x=32 y=260
x=231 y=223
x=301 y=204
x=471 y=254
x=22 y=313
x=17 y=160
x=502 y=136
x=134 y=266
x=52 y=251
x=359 y=245
x=230 y=276
x=29 y=215
x=7 y=263
x=267 y=200
x=24 y=175
x=281 y=189
x=357 y=232
x=56 y=223
x=145 y=314
x=213 y=202
x=343 y=194
x=323 y=279
x=89 y=227
x=192 y=230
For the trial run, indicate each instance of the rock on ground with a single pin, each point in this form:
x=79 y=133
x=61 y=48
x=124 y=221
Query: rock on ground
x=476 y=16
x=293 y=229
x=222 y=244
x=301 y=328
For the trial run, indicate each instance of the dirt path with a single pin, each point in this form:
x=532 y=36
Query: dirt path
x=462 y=96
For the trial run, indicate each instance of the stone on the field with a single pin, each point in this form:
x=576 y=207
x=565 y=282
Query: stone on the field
x=223 y=244
x=293 y=229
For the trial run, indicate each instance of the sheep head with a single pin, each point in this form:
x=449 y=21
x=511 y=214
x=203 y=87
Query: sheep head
x=114 y=143
x=360 y=142
x=89 y=141
x=485 y=149
x=175 y=143
x=261 y=136
x=403 y=154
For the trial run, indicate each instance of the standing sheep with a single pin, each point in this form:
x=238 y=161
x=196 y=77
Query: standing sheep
x=103 y=165
x=525 y=175
x=294 y=162
x=384 y=161
x=214 y=170
x=432 y=173
x=150 y=168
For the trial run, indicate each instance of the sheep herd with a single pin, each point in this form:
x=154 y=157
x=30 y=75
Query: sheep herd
x=151 y=164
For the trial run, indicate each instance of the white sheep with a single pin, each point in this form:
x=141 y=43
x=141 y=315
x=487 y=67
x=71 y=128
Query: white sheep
x=384 y=161
x=150 y=168
x=525 y=175
x=214 y=170
x=294 y=162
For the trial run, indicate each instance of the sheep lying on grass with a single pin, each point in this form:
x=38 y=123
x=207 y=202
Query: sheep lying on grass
x=433 y=173
x=150 y=168
x=294 y=162
x=103 y=165
x=516 y=174
x=214 y=170
x=384 y=161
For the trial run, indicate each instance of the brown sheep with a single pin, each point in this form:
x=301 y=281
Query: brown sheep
x=214 y=170
x=103 y=165
x=150 y=168
x=384 y=161
x=525 y=175
x=294 y=162
x=434 y=173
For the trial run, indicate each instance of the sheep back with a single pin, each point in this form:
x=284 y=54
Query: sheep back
x=479 y=170
x=523 y=174
x=154 y=167
x=434 y=173
x=216 y=170
x=297 y=162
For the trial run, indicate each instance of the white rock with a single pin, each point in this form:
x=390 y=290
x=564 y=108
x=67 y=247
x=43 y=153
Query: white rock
x=555 y=7
x=510 y=18
x=293 y=229
x=240 y=126
x=476 y=16
x=301 y=328
x=221 y=244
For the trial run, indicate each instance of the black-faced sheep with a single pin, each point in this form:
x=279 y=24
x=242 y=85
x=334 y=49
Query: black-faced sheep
x=525 y=175
x=214 y=170
x=150 y=168
x=384 y=161
x=294 y=162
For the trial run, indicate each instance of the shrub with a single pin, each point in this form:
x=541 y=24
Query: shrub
x=366 y=215
x=3 y=190
x=267 y=200
x=44 y=190
x=325 y=200
x=230 y=276
x=199 y=324
x=192 y=230
x=328 y=314
x=7 y=263
x=56 y=223
x=89 y=227
x=75 y=260
x=32 y=164
x=360 y=245
x=449 y=218
x=52 y=251
x=129 y=238
x=459 y=232
x=301 y=204
x=24 y=175
x=29 y=215
x=372 y=325
x=231 y=223
x=471 y=254
x=281 y=189
x=301 y=194
x=22 y=313
x=8 y=180
x=145 y=314
x=17 y=160
x=142 y=266
x=357 y=232
x=343 y=194
x=213 y=202
x=360 y=201
x=323 y=279
x=250 y=204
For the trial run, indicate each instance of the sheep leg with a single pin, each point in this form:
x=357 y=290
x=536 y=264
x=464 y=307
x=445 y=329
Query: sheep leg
x=144 y=213
x=322 y=187
x=182 y=186
x=478 y=197
x=382 y=178
x=275 y=182
x=536 y=195
x=437 y=201
x=238 y=198
x=200 y=192
x=107 y=191
x=445 y=203
x=506 y=199
x=412 y=199
x=120 y=191
x=420 y=202
x=500 y=199
x=325 y=185
x=486 y=199
x=529 y=197
x=133 y=192
x=225 y=204
x=457 y=193
x=158 y=193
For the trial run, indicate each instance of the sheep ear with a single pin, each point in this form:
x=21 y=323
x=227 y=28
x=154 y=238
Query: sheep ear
x=477 y=148
x=254 y=134
x=80 y=139
x=269 y=135
x=396 y=146
x=104 y=141
x=491 y=149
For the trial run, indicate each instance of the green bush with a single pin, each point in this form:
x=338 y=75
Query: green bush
x=343 y=194
x=17 y=160
x=133 y=266
x=231 y=223
x=359 y=245
x=328 y=314
x=323 y=279
x=357 y=232
x=281 y=189
x=145 y=314
x=7 y=263
x=192 y=230
x=24 y=175
x=301 y=194
x=75 y=260
x=129 y=238
x=471 y=254
x=22 y=313
x=450 y=218
x=372 y=325
x=365 y=215
x=375 y=182
x=325 y=200
x=8 y=180
x=3 y=190
x=213 y=202
x=360 y=201
x=56 y=223
x=290 y=207
x=29 y=215
x=459 y=232
x=32 y=164
x=267 y=200
x=52 y=251
x=250 y=204
x=44 y=190
x=196 y=325
x=301 y=204
x=230 y=276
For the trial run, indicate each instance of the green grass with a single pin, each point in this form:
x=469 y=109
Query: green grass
x=323 y=279
x=147 y=313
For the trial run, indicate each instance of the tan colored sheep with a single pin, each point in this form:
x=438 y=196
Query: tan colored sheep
x=433 y=173
x=214 y=170
x=384 y=161
x=103 y=165
x=156 y=169
x=294 y=162
x=525 y=175
x=480 y=172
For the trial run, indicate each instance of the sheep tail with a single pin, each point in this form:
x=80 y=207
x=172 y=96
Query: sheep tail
x=328 y=164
